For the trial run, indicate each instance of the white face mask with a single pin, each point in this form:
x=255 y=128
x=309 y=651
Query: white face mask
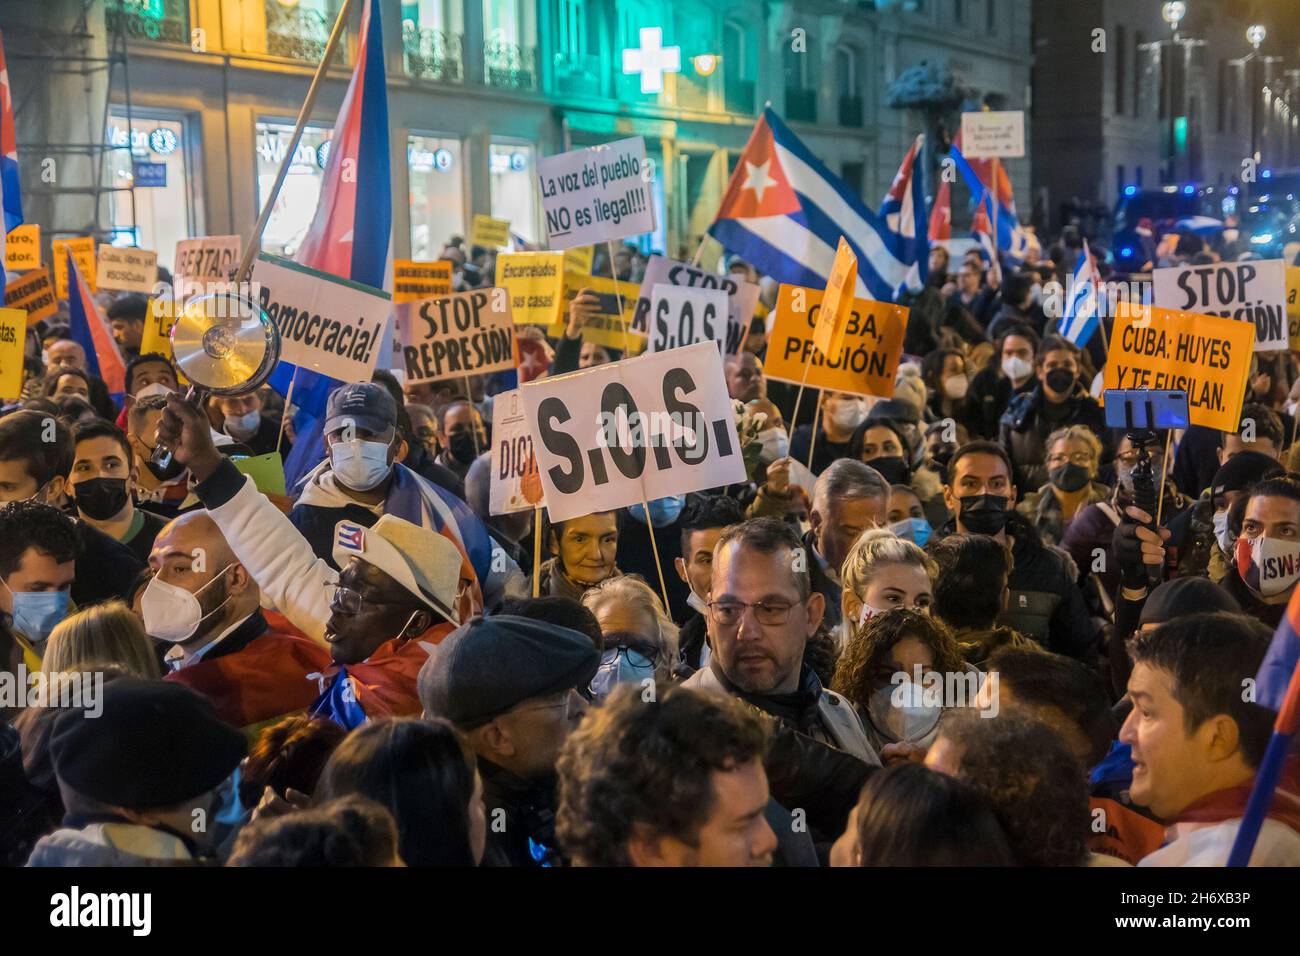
x=1221 y=533
x=1016 y=368
x=360 y=465
x=775 y=442
x=849 y=415
x=172 y=613
x=956 y=386
x=696 y=602
x=899 y=712
x=149 y=391
x=243 y=426
x=1268 y=566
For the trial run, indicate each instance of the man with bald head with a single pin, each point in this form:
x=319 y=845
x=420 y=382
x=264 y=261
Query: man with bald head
x=745 y=380
x=205 y=609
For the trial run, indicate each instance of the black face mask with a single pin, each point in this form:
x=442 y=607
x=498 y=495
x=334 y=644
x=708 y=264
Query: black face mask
x=1068 y=477
x=983 y=514
x=100 y=498
x=462 y=447
x=1060 y=381
x=173 y=469
x=892 y=468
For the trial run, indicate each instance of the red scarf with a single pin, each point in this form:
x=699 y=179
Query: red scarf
x=1230 y=804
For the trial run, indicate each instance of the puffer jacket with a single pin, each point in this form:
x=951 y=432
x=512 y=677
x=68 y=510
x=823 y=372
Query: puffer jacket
x=1025 y=428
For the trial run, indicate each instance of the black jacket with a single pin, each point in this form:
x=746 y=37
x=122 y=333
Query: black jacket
x=106 y=568
x=523 y=832
x=1028 y=422
x=822 y=583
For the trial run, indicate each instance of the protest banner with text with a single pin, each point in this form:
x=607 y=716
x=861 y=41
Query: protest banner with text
x=1293 y=306
x=455 y=335
x=680 y=315
x=535 y=283
x=742 y=295
x=23 y=247
x=989 y=134
x=1253 y=292
x=578 y=259
x=868 y=356
x=596 y=194
x=33 y=292
x=636 y=430
x=516 y=485
x=414 y=280
x=610 y=328
x=489 y=233
x=13 y=335
x=327 y=324
x=208 y=257
x=127 y=270
x=1206 y=356
x=83 y=251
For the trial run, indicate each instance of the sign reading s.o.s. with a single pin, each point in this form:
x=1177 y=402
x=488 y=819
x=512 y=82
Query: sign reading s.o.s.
x=680 y=315
x=742 y=295
x=644 y=428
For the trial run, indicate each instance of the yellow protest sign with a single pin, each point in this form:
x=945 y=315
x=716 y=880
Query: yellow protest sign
x=1293 y=305
x=23 y=247
x=158 y=321
x=127 y=270
x=837 y=302
x=490 y=233
x=83 y=251
x=867 y=358
x=414 y=280
x=13 y=330
x=1207 y=356
x=34 y=294
x=578 y=259
x=609 y=329
x=535 y=282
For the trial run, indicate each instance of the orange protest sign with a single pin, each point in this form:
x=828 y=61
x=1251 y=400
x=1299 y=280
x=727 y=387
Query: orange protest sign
x=33 y=292
x=414 y=280
x=13 y=335
x=83 y=251
x=868 y=355
x=1205 y=355
x=23 y=247
x=837 y=303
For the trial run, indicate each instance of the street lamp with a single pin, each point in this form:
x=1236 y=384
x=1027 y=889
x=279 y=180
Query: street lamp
x=1255 y=34
x=1254 y=61
x=1173 y=13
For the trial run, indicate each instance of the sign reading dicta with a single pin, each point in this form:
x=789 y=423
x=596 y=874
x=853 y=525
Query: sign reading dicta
x=455 y=335
x=516 y=485
x=630 y=431
x=596 y=194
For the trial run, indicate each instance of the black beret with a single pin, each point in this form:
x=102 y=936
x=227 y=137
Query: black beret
x=1183 y=596
x=1243 y=470
x=484 y=668
x=152 y=744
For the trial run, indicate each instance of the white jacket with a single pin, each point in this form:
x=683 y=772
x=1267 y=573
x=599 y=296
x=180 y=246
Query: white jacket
x=1195 y=844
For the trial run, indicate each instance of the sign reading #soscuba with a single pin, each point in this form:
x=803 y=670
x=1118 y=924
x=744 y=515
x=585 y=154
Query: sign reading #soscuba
x=596 y=194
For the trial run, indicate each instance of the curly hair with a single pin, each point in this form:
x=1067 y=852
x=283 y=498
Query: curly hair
x=633 y=764
x=29 y=524
x=1035 y=785
x=350 y=831
x=289 y=754
x=867 y=647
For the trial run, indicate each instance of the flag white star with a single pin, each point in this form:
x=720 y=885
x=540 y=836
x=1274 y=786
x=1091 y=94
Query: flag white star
x=757 y=179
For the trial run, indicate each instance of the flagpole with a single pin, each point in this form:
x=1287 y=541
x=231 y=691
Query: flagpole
x=537 y=549
x=812 y=442
x=284 y=416
x=613 y=274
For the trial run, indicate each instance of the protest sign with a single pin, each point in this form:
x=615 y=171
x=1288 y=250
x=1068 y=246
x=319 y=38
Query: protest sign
x=33 y=292
x=578 y=259
x=610 y=328
x=989 y=134
x=596 y=194
x=630 y=431
x=1206 y=356
x=158 y=321
x=837 y=302
x=455 y=335
x=864 y=365
x=1252 y=292
x=13 y=334
x=489 y=233
x=413 y=280
x=83 y=252
x=327 y=324
x=23 y=247
x=267 y=472
x=742 y=296
x=535 y=284
x=127 y=270
x=680 y=315
x=208 y=257
x=515 y=485
x=1293 y=306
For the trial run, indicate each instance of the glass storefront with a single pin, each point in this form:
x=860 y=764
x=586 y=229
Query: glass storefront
x=437 y=172
x=296 y=205
x=149 y=217
x=514 y=186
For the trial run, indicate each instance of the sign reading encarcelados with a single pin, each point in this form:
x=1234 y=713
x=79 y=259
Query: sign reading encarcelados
x=643 y=428
x=414 y=280
x=742 y=295
x=1254 y=292
x=327 y=324
x=455 y=335
x=535 y=282
x=1206 y=356
x=591 y=195
x=516 y=485
x=867 y=357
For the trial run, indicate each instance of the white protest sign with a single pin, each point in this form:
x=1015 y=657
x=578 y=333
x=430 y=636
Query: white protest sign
x=596 y=194
x=208 y=257
x=1247 y=291
x=989 y=134
x=455 y=335
x=515 y=484
x=742 y=295
x=639 y=429
x=680 y=315
x=127 y=270
x=327 y=324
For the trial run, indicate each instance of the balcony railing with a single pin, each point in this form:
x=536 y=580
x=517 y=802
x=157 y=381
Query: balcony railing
x=739 y=96
x=576 y=74
x=801 y=104
x=296 y=33
x=433 y=54
x=167 y=21
x=509 y=65
x=851 y=111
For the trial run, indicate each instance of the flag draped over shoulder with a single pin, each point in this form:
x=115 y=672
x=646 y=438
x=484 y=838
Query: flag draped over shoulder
x=351 y=234
x=784 y=211
x=90 y=329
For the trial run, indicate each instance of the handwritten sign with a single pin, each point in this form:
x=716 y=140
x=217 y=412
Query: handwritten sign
x=596 y=194
x=158 y=321
x=33 y=292
x=1253 y=292
x=208 y=257
x=489 y=233
x=23 y=247
x=13 y=333
x=455 y=335
x=127 y=270
x=990 y=134
x=578 y=259
x=516 y=485
x=535 y=283
x=83 y=253
x=414 y=280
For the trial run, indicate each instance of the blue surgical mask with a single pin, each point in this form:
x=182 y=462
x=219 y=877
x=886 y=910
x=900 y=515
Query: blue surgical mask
x=916 y=530
x=37 y=612
x=620 y=664
x=663 y=511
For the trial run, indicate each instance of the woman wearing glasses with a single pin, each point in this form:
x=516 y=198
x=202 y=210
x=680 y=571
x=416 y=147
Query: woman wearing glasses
x=1073 y=457
x=640 y=637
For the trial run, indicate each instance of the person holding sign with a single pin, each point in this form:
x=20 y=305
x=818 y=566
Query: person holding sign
x=572 y=351
x=585 y=549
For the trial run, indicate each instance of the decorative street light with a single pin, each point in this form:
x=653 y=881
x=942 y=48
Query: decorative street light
x=1255 y=34
x=1173 y=13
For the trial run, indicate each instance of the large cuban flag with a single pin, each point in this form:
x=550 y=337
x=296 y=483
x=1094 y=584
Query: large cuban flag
x=88 y=327
x=784 y=211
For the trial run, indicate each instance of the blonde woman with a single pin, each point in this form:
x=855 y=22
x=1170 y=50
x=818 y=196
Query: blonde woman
x=640 y=637
x=108 y=633
x=1073 y=457
x=883 y=572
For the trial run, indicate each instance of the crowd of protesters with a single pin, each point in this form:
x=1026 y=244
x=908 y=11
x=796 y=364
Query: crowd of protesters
x=932 y=629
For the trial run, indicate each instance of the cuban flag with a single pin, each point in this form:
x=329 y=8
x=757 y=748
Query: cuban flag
x=784 y=211
x=1012 y=239
x=904 y=209
x=88 y=327
x=351 y=235
x=11 y=197
x=1083 y=307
